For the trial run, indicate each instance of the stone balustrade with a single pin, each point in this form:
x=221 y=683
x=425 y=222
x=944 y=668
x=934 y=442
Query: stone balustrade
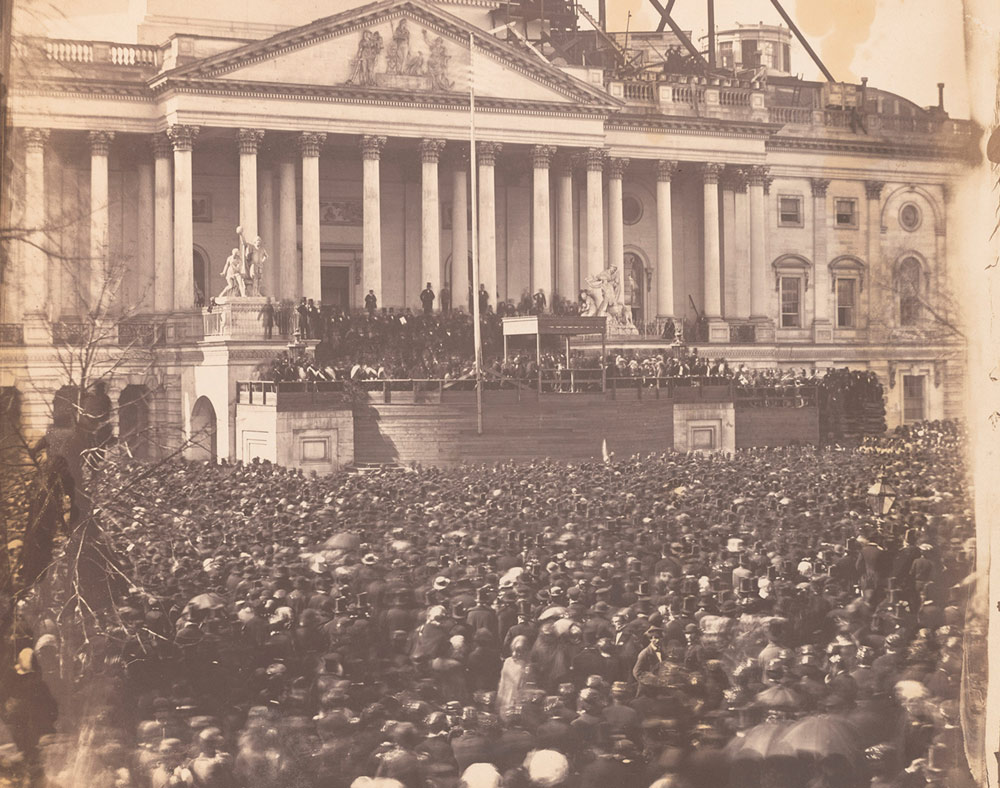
x=70 y=51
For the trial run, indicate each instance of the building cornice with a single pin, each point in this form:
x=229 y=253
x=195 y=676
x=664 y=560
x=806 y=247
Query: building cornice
x=352 y=94
x=707 y=126
x=92 y=88
x=881 y=148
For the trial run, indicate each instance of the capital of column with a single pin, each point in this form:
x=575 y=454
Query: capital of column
x=430 y=150
x=249 y=139
x=371 y=146
x=183 y=137
x=160 y=145
x=757 y=174
x=819 y=186
x=711 y=171
x=310 y=143
x=487 y=152
x=735 y=179
x=100 y=142
x=617 y=167
x=595 y=159
x=35 y=139
x=541 y=156
x=768 y=180
x=666 y=170
x=562 y=163
x=873 y=189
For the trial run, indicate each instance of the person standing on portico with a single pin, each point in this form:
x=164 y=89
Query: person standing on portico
x=427 y=299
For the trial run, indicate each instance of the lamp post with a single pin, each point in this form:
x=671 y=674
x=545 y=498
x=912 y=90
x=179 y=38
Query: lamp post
x=881 y=497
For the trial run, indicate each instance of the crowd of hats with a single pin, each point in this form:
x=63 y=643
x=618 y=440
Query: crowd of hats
x=352 y=630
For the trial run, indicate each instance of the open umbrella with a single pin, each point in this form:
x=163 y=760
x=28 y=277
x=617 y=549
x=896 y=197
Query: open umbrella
x=779 y=698
x=207 y=601
x=343 y=541
x=761 y=741
x=823 y=735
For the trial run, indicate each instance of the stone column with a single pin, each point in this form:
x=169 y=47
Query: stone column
x=248 y=140
x=541 y=218
x=430 y=216
x=35 y=263
x=710 y=176
x=182 y=138
x=459 y=232
x=486 y=153
x=144 y=276
x=163 y=224
x=103 y=281
x=665 y=171
x=595 y=211
x=822 y=297
x=763 y=322
x=875 y=293
x=310 y=144
x=565 y=266
x=265 y=229
x=289 y=269
x=371 y=277
x=739 y=266
x=616 y=223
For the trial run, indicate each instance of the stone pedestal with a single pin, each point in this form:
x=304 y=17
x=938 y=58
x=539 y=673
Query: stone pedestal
x=718 y=331
x=37 y=330
x=616 y=329
x=763 y=330
x=235 y=318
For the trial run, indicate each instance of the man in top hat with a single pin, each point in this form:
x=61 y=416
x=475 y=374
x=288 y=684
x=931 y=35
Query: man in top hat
x=482 y=616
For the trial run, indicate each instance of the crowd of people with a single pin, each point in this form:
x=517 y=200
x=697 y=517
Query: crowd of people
x=678 y=620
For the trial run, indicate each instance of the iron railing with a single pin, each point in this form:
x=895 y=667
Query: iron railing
x=69 y=333
x=11 y=334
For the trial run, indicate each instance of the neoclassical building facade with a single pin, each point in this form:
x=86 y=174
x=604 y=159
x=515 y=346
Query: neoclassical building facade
x=802 y=228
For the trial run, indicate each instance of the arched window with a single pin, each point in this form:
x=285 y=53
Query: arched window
x=200 y=279
x=908 y=280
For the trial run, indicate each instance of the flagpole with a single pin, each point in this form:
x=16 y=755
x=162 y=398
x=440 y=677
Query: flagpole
x=474 y=200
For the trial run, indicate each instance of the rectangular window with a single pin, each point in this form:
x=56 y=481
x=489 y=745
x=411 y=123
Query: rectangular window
x=913 y=398
x=789 y=211
x=846 y=302
x=791 y=302
x=847 y=212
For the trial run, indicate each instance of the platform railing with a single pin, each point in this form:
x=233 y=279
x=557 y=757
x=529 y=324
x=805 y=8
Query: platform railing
x=555 y=382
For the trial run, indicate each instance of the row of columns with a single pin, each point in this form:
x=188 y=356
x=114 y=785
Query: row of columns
x=166 y=208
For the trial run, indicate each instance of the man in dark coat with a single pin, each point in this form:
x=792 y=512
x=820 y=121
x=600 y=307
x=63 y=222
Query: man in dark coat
x=427 y=299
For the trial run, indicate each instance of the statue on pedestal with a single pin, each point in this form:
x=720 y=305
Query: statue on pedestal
x=244 y=268
x=603 y=297
x=254 y=258
x=235 y=276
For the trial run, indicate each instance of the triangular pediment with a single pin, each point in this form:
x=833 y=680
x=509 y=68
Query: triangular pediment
x=396 y=46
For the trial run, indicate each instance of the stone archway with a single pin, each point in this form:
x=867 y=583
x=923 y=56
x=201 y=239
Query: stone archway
x=203 y=446
x=133 y=420
x=635 y=288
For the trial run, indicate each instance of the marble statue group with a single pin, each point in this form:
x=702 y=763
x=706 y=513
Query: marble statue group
x=603 y=297
x=244 y=268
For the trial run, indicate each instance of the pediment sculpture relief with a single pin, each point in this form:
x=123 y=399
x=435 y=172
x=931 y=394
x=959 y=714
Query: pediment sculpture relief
x=405 y=65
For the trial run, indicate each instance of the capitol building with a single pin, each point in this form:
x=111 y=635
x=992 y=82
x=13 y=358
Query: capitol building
x=787 y=222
